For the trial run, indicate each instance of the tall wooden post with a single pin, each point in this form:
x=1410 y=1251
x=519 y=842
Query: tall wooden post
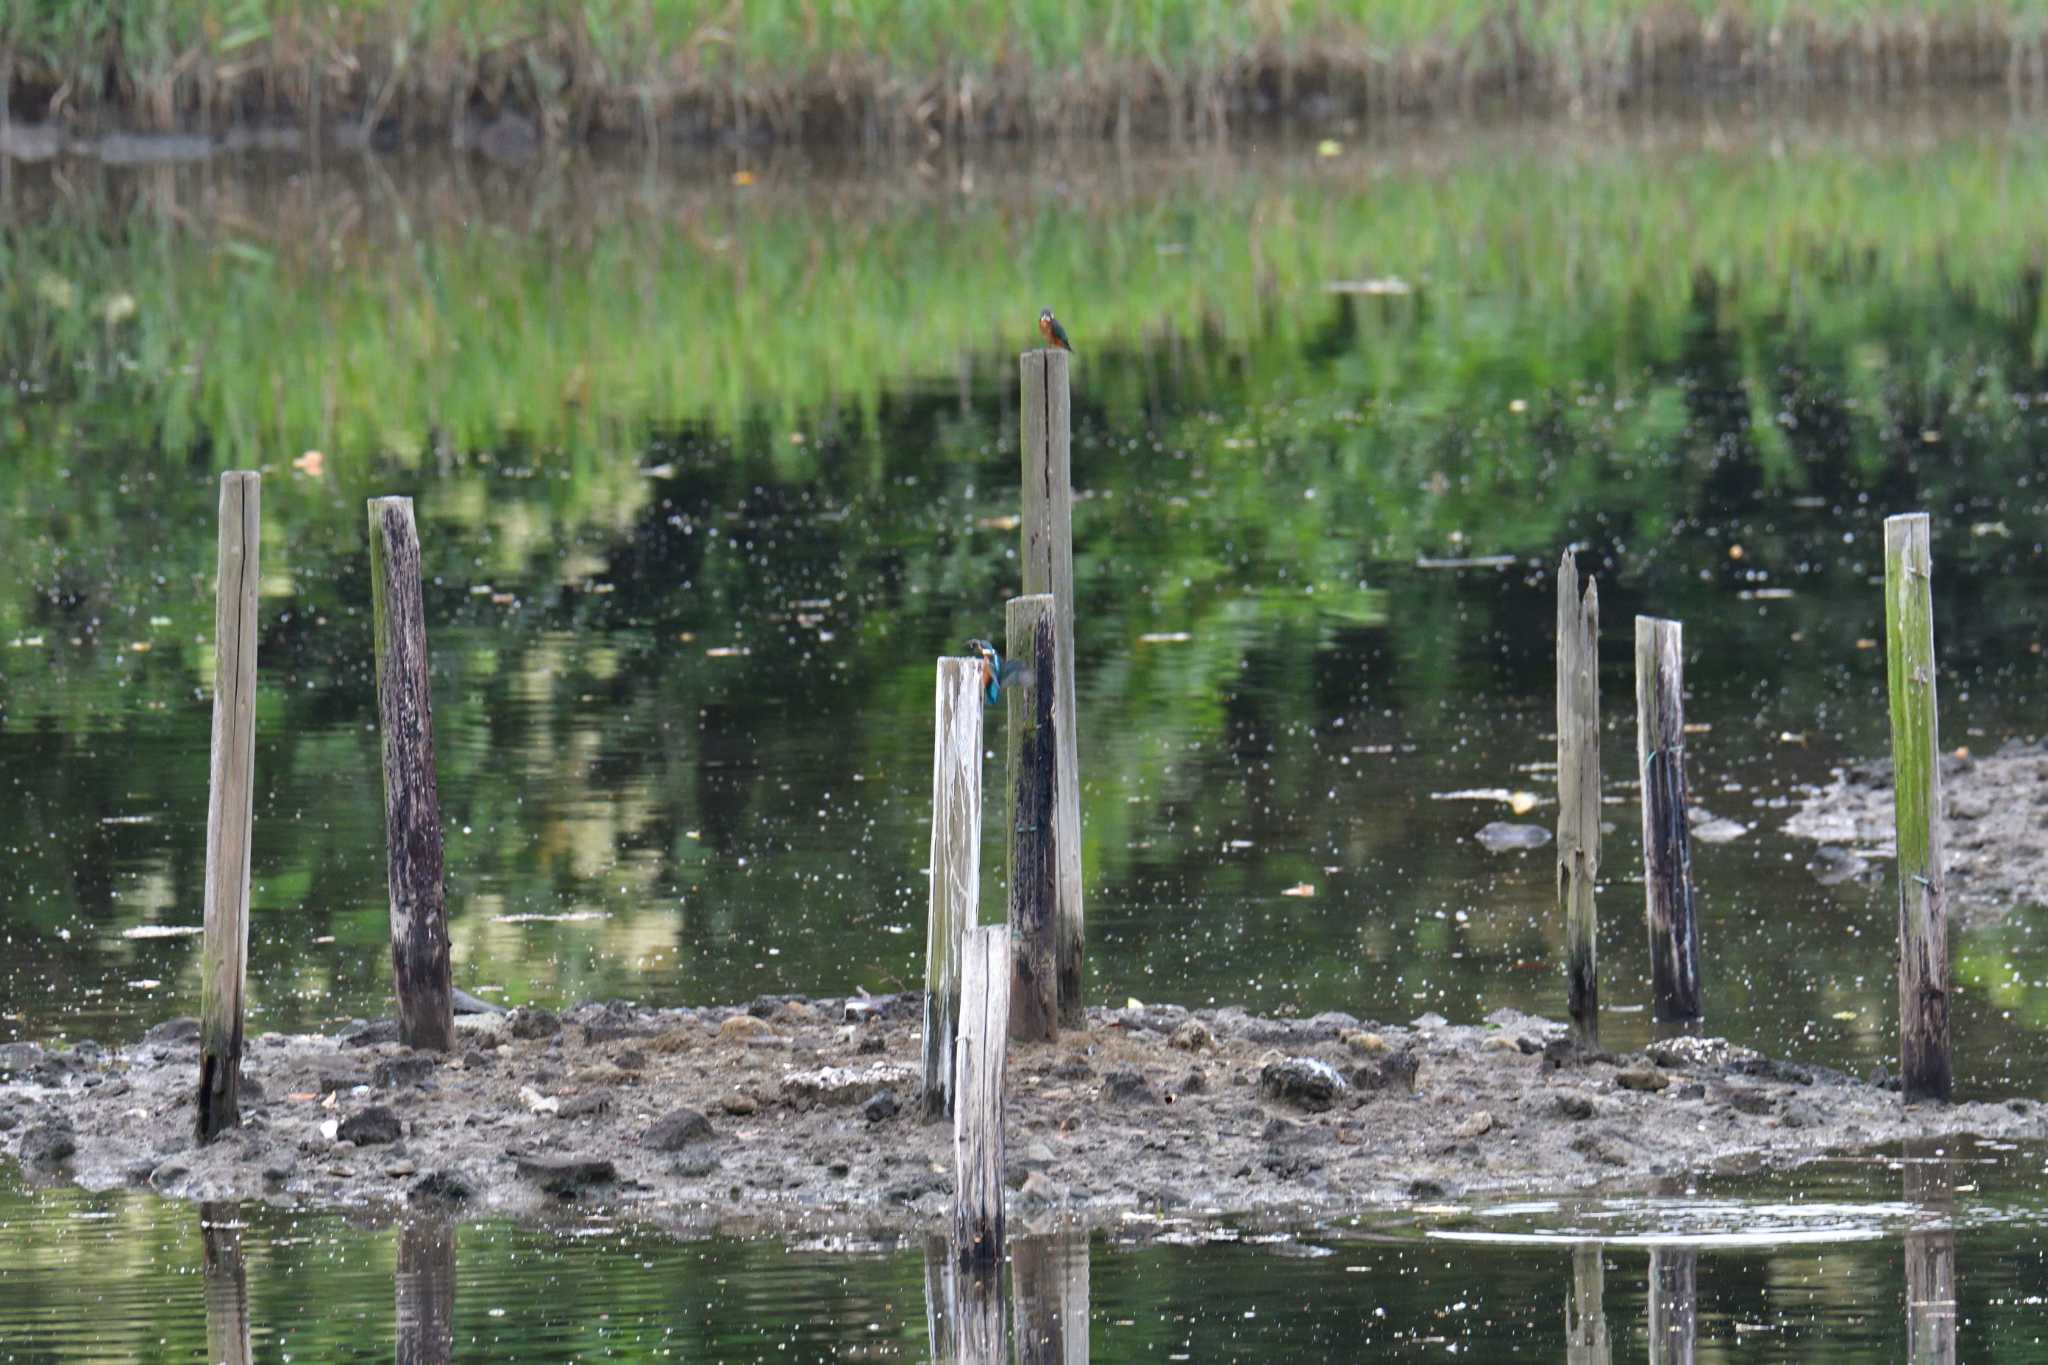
x=1674 y=1305
x=424 y=1288
x=412 y=797
x=1924 y=1068
x=229 y=807
x=978 y=1096
x=1032 y=748
x=1585 y=1313
x=1667 y=840
x=1578 y=794
x=956 y=868
x=1047 y=533
x=226 y=1277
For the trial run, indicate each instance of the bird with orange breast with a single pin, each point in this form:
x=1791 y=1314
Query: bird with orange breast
x=1054 y=334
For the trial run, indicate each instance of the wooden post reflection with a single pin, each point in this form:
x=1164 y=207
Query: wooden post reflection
x=963 y=1307
x=1049 y=1281
x=1585 y=1315
x=227 y=1285
x=426 y=1291
x=1930 y=1259
x=1674 y=1304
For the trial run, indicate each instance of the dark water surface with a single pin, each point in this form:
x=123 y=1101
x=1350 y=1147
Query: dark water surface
x=711 y=461
x=1938 y=1258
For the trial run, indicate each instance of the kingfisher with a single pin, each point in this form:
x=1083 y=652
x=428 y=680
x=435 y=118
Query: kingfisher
x=1054 y=334
x=995 y=672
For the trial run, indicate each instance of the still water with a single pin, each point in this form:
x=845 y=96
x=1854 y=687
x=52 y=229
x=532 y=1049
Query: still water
x=712 y=459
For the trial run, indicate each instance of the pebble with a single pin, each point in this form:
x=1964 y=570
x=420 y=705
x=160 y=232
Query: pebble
x=740 y=1105
x=1474 y=1125
x=1642 y=1078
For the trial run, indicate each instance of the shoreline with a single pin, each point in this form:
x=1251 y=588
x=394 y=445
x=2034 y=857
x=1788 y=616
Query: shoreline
x=795 y=1113
x=364 y=79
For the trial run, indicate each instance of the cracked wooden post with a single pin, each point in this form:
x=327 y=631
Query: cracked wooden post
x=1585 y=1313
x=424 y=1290
x=1031 y=747
x=1578 y=794
x=1924 y=1067
x=1047 y=535
x=955 y=868
x=226 y=1277
x=1667 y=841
x=412 y=798
x=1674 y=1305
x=978 y=1096
x=230 y=816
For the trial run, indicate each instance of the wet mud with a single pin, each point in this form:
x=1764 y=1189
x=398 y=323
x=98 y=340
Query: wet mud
x=789 y=1111
x=1997 y=832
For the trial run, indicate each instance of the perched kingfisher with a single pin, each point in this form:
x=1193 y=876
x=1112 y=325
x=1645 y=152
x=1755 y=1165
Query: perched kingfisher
x=1054 y=334
x=994 y=672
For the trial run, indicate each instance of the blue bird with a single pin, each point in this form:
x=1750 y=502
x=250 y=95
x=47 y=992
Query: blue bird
x=995 y=672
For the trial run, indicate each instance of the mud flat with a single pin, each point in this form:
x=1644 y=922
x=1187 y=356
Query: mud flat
x=789 y=1112
x=1996 y=805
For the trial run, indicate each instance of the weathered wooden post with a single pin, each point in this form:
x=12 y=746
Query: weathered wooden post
x=1924 y=1069
x=1047 y=533
x=1578 y=794
x=1032 y=748
x=230 y=813
x=424 y=1288
x=1049 y=1297
x=956 y=868
x=1585 y=1316
x=412 y=797
x=1667 y=841
x=978 y=1096
x=226 y=1277
x=1674 y=1305
x=1930 y=1257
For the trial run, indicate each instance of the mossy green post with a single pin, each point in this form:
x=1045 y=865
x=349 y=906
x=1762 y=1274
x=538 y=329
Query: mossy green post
x=1578 y=794
x=955 y=869
x=230 y=817
x=412 y=793
x=1924 y=1067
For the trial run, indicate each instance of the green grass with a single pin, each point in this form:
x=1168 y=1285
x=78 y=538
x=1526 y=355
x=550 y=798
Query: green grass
x=805 y=66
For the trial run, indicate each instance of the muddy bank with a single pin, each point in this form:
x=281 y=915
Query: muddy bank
x=789 y=1111
x=1996 y=803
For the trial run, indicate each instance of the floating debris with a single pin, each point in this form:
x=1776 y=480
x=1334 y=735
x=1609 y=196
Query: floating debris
x=567 y=917
x=1300 y=889
x=1474 y=562
x=1502 y=837
x=163 y=931
x=1386 y=286
x=1165 y=637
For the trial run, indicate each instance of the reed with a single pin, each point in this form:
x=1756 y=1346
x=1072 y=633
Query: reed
x=900 y=67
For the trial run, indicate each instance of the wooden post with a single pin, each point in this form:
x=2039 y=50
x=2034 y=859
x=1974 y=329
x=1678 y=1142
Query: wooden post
x=226 y=1277
x=1032 y=747
x=224 y=975
x=1049 y=1297
x=425 y=1291
x=978 y=1096
x=1585 y=1316
x=1047 y=533
x=1924 y=1069
x=1578 y=794
x=412 y=798
x=1674 y=1305
x=1930 y=1257
x=1667 y=841
x=956 y=868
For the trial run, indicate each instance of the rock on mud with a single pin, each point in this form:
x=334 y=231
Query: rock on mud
x=1306 y=1082
x=676 y=1130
